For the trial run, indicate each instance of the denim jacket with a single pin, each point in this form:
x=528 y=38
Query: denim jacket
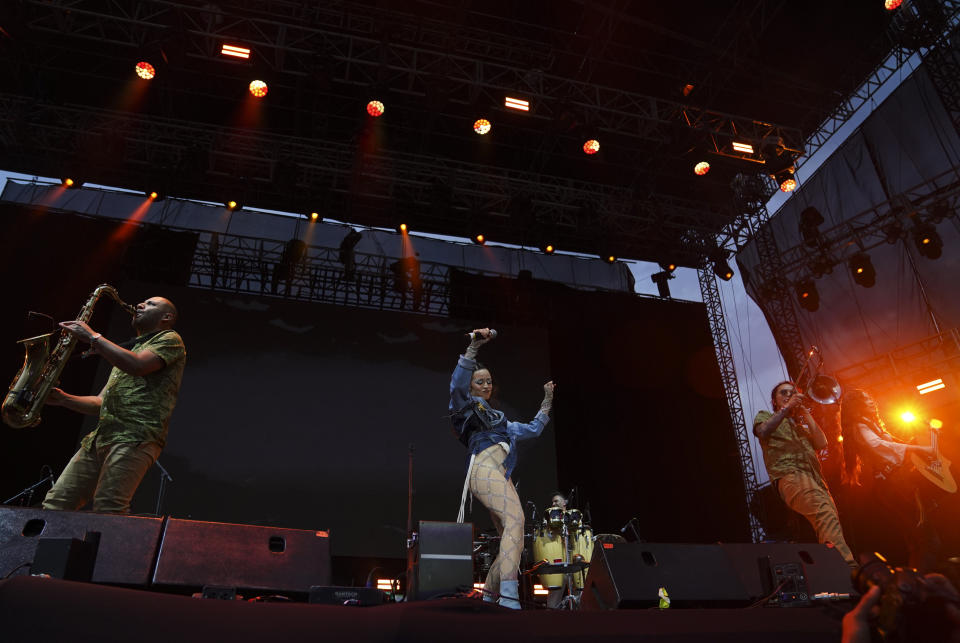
x=473 y=431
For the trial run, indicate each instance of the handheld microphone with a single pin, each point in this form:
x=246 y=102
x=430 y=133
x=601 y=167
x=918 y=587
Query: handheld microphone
x=623 y=529
x=473 y=336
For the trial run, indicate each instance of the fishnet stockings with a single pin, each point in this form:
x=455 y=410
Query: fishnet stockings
x=496 y=493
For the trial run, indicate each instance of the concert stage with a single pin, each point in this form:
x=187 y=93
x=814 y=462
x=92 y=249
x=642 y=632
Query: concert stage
x=34 y=609
x=148 y=574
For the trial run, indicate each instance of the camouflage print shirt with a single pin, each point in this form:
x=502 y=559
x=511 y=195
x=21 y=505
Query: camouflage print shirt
x=786 y=449
x=137 y=408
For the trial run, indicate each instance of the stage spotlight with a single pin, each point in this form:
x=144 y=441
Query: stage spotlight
x=609 y=258
x=548 y=248
x=258 y=88
x=235 y=51
x=314 y=216
x=155 y=195
x=807 y=295
x=722 y=269
x=821 y=265
x=743 y=148
x=478 y=238
x=927 y=240
x=908 y=416
x=661 y=279
x=701 y=168
x=862 y=270
x=233 y=205
x=375 y=108
x=591 y=147
x=71 y=183
x=786 y=180
x=516 y=103
x=893 y=231
x=892 y=5
x=145 y=70
x=481 y=126
x=810 y=220
x=402 y=228
x=668 y=266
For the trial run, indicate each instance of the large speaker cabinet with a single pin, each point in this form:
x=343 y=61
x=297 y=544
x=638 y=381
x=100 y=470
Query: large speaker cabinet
x=194 y=554
x=441 y=560
x=125 y=555
x=630 y=575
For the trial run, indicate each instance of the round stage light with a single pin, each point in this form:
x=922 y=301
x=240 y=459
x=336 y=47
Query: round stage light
x=402 y=228
x=375 y=108
x=145 y=70
x=701 y=168
x=890 y=5
x=481 y=126
x=908 y=416
x=258 y=88
x=479 y=239
x=591 y=147
x=788 y=185
x=314 y=216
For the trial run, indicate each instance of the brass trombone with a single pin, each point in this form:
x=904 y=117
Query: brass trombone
x=820 y=388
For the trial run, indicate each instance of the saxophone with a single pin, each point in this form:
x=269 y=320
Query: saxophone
x=42 y=366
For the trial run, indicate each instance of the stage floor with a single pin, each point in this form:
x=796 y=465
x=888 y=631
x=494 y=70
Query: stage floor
x=44 y=609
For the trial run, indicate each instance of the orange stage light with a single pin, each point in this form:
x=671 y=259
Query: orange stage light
x=549 y=249
x=746 y=148
x=517 y=104
x=788 y=186
x=591 y=147
x=145 y=70
x=68 y=182
x=235 y=51
x=701 y=168
x=402 y=228
x=908 y=416
x=890 y=5
x=232 y=205
x=931 y=386
x=375 y=108
x=258 y=88
x=935 y=423
x=314 y=216
x=153 y=196
x=481 y=126
x=479 y=239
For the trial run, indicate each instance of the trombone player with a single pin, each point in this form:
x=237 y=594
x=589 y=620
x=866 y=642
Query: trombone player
x=133 y=408
x=790 y=439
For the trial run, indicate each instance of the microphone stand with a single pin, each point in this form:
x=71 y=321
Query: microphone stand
x=28 y=492
x=164 y=480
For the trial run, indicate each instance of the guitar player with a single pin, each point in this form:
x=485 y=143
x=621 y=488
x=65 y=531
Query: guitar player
x=869 y=450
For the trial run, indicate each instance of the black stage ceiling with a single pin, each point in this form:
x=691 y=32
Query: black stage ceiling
x=613 y=71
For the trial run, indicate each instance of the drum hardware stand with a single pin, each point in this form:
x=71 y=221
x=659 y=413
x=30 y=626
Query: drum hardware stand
x=27 y=494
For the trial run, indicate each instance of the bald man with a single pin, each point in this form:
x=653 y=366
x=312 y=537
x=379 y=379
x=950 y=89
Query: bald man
x=133 y=408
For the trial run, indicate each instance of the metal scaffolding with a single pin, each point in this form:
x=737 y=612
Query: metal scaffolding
x=728 y=374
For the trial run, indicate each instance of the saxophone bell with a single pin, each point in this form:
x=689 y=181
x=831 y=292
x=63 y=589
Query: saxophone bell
x=43 y=364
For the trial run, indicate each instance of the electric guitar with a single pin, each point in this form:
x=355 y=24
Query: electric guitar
x=936 y=470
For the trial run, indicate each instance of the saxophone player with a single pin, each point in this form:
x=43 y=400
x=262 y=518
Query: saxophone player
x=133 y=408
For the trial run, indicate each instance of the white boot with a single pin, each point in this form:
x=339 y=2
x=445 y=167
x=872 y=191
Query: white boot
x=509 y=594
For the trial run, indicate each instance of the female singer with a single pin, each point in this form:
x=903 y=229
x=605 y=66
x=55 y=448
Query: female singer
x=868 y=445
x=492 y=443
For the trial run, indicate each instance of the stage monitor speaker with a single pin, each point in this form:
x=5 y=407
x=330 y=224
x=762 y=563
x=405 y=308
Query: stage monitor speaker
x=631 y=575
x=822 y=568
x=441 y=560
x=127 y=549
x=194 y=554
